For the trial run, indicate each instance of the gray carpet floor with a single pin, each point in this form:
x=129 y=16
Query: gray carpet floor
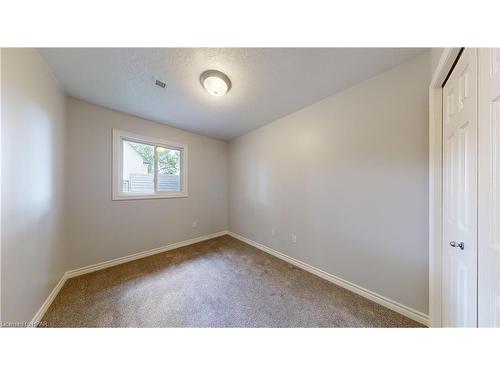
x=221 y=282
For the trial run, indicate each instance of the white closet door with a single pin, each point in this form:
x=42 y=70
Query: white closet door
x=460 y=194
x=489 y=187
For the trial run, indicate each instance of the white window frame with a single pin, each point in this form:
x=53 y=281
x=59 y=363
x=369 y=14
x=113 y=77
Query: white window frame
x=118 y=194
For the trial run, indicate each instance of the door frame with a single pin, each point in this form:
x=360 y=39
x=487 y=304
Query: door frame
x=445 y=64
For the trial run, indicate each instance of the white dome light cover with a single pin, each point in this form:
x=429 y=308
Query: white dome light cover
x=216 y=83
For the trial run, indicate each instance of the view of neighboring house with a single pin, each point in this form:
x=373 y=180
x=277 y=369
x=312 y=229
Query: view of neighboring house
x=138 y=174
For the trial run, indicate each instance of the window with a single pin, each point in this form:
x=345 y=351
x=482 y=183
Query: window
x=146 y=168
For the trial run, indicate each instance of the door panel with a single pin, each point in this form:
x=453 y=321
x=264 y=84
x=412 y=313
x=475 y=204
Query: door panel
x=463 y=180
x=460 y=193
x=489 y=188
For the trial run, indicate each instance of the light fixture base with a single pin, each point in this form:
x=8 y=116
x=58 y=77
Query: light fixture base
x=215 y=74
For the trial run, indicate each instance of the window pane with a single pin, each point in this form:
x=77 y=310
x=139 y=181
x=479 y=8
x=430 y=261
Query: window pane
x=169 y=168
x=138 y=167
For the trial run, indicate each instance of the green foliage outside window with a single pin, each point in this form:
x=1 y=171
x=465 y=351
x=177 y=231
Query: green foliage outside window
x=168 y=160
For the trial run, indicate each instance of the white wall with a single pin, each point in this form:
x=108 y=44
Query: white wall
x=348 y=175
x=100 y=229
x=435 y=56
x=32 y=183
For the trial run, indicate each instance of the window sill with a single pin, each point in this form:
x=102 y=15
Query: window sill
x=148 y=196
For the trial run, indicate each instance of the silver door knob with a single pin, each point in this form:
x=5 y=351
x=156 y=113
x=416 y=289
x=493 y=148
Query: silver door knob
x=461 y=245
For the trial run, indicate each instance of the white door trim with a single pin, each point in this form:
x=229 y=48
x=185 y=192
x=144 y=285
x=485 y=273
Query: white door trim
x=435 y=182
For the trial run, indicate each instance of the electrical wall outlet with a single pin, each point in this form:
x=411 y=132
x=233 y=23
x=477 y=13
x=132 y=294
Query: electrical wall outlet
x=273 y=232
x=294 y=238
x=195 y=224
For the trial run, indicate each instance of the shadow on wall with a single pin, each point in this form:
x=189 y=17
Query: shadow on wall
x=33 y=134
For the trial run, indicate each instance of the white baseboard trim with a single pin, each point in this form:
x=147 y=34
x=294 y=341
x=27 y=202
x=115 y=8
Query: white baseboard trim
x=375 y=297
x=393 y=305
x=45 y=306
x=110 y=263
x=142 y=254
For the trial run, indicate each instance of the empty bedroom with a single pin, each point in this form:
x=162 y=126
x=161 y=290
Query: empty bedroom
x=178 y=187
x=172 y=187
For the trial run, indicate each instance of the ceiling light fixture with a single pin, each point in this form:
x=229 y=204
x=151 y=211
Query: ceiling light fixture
x=215 y=82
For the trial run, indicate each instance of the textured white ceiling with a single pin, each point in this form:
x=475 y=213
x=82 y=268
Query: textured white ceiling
x=268 y=83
